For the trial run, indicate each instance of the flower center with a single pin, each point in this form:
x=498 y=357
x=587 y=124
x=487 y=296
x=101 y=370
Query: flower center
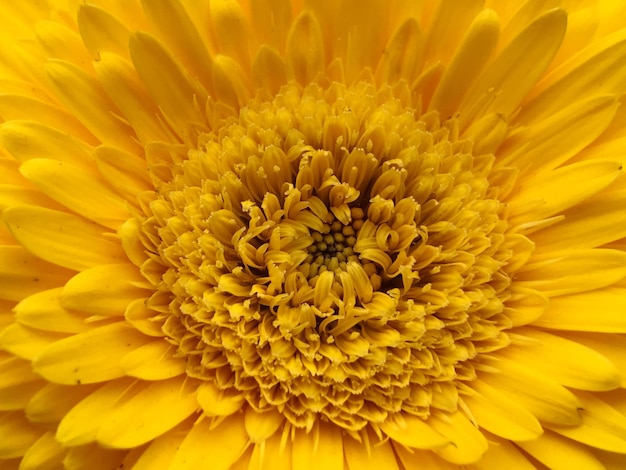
x=332 y=254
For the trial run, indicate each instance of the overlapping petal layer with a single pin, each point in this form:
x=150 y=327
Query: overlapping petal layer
x=298 y=234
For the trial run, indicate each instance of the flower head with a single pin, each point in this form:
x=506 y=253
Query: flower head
x=262 y=234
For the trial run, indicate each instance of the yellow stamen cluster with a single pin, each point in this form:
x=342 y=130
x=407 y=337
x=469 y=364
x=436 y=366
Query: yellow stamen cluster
x=331 y=253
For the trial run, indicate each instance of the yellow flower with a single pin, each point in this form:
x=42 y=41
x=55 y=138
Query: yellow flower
x=298 y=234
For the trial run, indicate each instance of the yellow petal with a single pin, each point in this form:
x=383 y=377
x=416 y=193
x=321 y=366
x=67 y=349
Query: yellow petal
x=602 y=427
x=467 y=63
x=611 y=346
x=271 y=21
x=375 y=455
x=104 y=290
x=559 y=137
x=268 y=70
x=515 y=71
x=324 y=446
x=574 y=271
x=592 y=223
x=412 y=431
x=175 y=92
x=26 y=342
x=402 y=55
x=154 y=410
x=271 y=454
x=52 y=402
x=305 y=49
x=359 y=35
x=154 y=361
x=60 y=42
x=89 y=357
x=569 y=363
x=564 y=187
x=74 y=87
x=449 y=24
x=231 y=84
x=26 y=140
x=221 y=445
x=547 y=400
x=422 y=460
x=45 y=454
x=101 y=31
x=500 y=414
x=467 y=443
x=503 y=454
x=231 y=30
x=180 y=34
x=601 y=311
x=17 y=434
x=600 y=74
x=78 y=190
x=18 y=195
x=94 y=457
x=124 y=172
x=14 y=371
x=80 y=424
x=261 y=426
x=16 y=396
x=22 y=274
x=62 y=239
x=23 y=108
x=142 y=318
x=122 y=85
x=216 y=402
x=43 y=311
x=559 y=453
x=161 y=451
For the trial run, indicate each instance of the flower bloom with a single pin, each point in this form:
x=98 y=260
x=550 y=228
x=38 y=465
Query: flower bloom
x=293 y=234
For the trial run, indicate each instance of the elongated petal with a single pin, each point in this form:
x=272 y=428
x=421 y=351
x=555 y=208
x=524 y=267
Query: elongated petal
x=414 y=432
x=599 y=311
x=44 y=311
x=221 y=445
x=376 y=455
x=555 y=189
x=305 y=49
x=45 y=454
x=174 y=92
x=81 y=423
x=61 y=181
x=468 y=61
x=326 y=449
x=63 y=239
x=261 y=426
x=154 y=361
x=559 y=453
x=27 y=139
x=603 y=427
x=545 y=398
x=74 y=87
x=526 y=58
x=101 y=31
x=103 y=290
x=216 y=402
x=89 y=357
x=501 y=414
x=155 y=409
x=575 y=271
x=467 y=443
x=568 y=362
x=22 y=274
x=17 y=434
x=161 y=451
